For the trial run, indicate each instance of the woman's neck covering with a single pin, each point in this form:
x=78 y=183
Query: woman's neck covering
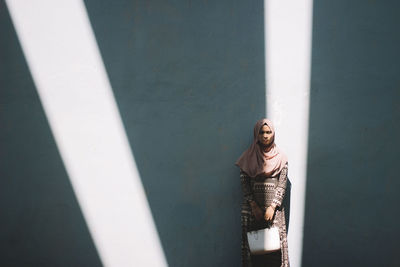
x=258 y=159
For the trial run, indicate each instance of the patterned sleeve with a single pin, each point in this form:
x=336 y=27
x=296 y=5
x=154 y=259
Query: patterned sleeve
x=245 y=181
x=281 y=187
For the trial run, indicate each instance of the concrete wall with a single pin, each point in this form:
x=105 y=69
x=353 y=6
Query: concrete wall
x=352 y=190
x=41 y=221
x=188 y=78
x=189 y=81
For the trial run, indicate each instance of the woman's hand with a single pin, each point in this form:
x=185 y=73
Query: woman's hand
x=269 y=213
x=255 y=209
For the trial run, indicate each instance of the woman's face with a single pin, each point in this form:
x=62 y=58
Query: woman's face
x=265 y=135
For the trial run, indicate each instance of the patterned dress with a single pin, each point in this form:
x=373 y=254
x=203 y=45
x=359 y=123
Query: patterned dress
x=251 y=187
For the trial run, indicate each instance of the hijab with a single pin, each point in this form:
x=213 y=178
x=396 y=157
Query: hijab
x=258 y=159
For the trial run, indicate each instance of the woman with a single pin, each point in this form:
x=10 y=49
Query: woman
x=261 y=164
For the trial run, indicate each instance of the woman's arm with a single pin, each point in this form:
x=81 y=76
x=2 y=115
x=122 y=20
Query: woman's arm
x=248 y=195
x=281 y=187
x=279 y=194
x=247 y=192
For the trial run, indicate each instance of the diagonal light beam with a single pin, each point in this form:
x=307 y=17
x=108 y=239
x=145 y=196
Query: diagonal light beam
x=67 y=69
x=287 y=25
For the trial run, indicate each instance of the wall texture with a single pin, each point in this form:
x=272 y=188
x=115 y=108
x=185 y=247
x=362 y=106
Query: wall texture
x=41 y=221
x=188 y=78
x=189 y=81
x=352 y=189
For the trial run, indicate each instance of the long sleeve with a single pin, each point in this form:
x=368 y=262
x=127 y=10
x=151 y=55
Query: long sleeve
x=281 y=187
x=245 y=181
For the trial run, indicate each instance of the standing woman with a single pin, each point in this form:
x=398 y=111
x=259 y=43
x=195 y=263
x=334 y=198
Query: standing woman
x=260 y=165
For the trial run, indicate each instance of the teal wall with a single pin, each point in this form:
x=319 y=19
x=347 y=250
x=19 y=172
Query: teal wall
x=353 y=182
x=41 y=222
x=188 y=78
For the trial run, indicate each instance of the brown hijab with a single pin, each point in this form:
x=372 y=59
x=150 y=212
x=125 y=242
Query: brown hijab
x=258 y=160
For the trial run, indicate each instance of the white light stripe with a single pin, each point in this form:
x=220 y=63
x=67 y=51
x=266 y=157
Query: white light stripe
x=288 y=25
x=72 y=83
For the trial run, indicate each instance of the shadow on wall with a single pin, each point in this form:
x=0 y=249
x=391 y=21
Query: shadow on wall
x=189 y=81
x=286 y=203
x=352 y=186
x=41 y=222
